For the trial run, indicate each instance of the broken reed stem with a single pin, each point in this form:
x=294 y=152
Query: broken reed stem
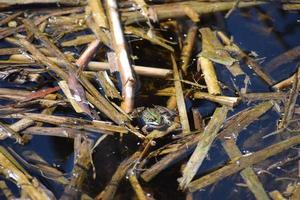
x=102 y=66
x=243 y=119
x=54 y=131
x=23 y=2
x=137 y=187
x=109 y=192
x=7 y=132
x=26 y=122
x=79 y=40
x=203 y=146
x=175 y=10
x=285 y=83
x=87 y=55
x=6 y=191
x=223 y=100
x=105 y=107
x=242 y=162
x=248 y=174
x=72 y=122
x=187 y=48
x=10 y=18
x=38 y=56
x=213 y=50
x=29 y=185
x=276 y=195
x=198 y=120
x=249 y=61
x=180 y=98
x=291 y=6
x=289 y=107
x=210 y=76
x=98 y=13
x=263 y=96
x=229 y=135
x=40 y=20
x=284 y=58
x=119 y=47
x=82 y=154
x=181 y=152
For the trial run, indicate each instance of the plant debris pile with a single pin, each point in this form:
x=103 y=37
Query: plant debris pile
x=163 y=81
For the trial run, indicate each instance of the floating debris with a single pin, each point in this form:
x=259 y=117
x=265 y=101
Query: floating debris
x=123 y=98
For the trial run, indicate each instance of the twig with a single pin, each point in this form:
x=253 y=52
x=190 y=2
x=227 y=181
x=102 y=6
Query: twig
x=290 y=105
x=6 y=191
x=285 y=83
x=187 y=48
x=180 y=98
x=98 y=13
x=249 y=61
x=29 y=185
x=203 y=146
x=109 y=192
x=137 y=187
x=223 y=100
x=119 y=47
x=175 y=10
x=242 y=162
x=102 y=66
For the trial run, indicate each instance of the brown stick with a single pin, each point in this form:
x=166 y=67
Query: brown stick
x=180 y=98
x=187 y=48
x=175 y=10
x=203 y=146
x=119 y=46
x=289 y=107
x=102 y=66
x=109 y=192
x=242 y=162
x=106 y=107
x=249 y=61
x=285 y=83
x=87 y=55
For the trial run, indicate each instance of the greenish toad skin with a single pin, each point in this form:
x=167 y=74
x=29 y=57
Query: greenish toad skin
x=157 y=117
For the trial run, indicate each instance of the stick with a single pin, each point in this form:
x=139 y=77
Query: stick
x=187 y=48
x=263 y=96
x=180 y=99
x=249 y=61
x=6 y=191
x=181 y=152
x=289 y=107
x=175 y=10
x=119 y=46
x=82 y=162
x=109 y=192
x=29 y=185
x=209 y=134
x=210 y=76
x=243 y=118
x=22 y=2
x=223 y=100
x=213 y=50
x=242 y=162
x=285 y=83
x=87 y=55
x=98 y=13
x=137 y=187
x=105 y=107
x=102 y=66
